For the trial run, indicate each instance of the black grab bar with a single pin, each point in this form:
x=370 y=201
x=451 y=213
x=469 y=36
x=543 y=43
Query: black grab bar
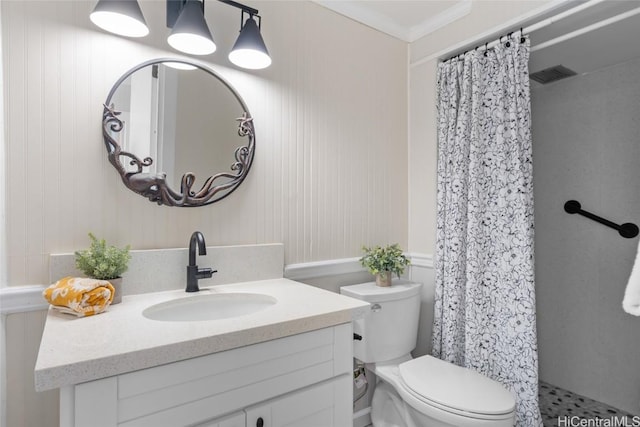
x=627 y=229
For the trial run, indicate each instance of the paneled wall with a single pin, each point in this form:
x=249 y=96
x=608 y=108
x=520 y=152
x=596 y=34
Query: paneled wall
x=25 y=407
x=330 y=172
x=585 y=147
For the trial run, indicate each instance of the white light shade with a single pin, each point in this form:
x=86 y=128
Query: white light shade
x=179 y=66
x=250 y=59
x=122 y=17
x=249 y=51
x=190 y=33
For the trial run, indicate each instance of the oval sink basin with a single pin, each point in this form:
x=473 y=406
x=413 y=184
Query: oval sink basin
x=209 y=307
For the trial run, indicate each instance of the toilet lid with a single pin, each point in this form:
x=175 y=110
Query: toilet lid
x=455 y=387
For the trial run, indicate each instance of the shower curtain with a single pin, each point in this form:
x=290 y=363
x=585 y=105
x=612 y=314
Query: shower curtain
x=485 y=302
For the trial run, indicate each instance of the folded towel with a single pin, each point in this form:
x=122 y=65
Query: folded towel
x=631 y=301
x=80 y=296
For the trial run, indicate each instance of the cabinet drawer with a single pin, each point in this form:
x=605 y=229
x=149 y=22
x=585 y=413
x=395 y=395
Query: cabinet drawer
x=320 y=405
x=189 y=392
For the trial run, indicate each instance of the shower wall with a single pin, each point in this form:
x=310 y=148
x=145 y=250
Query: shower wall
x=586 y=141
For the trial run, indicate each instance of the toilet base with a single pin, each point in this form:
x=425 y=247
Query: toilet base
x=394 y=406
x=389 y=410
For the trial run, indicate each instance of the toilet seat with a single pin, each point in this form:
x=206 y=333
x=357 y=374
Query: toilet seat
x=429 y=384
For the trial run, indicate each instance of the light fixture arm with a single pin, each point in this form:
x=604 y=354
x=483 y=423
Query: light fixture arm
x=175 y=6
x=250 y=16
x=251 y=11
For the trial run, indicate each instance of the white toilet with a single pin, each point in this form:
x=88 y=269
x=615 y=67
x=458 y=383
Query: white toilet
x=422 y=392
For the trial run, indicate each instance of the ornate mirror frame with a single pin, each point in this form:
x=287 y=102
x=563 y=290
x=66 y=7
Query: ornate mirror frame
x=154 y=186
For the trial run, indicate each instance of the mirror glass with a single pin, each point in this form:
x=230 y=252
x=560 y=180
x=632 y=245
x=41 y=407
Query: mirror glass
x=179 y=128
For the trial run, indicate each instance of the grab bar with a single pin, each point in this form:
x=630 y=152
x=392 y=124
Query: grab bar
x=627 y=229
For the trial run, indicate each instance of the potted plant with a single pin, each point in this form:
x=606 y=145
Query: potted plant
x=383 y=261
x=104 y=263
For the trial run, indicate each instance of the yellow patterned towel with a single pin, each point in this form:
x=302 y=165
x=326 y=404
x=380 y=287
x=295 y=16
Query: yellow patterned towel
x=80 y=296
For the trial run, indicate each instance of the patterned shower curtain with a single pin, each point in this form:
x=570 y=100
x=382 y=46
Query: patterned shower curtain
x=485 y=302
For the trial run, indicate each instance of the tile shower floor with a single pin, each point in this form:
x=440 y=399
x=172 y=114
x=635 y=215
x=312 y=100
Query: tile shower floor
x=558 y=406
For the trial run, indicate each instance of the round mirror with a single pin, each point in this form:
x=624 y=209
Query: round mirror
x=178 y=133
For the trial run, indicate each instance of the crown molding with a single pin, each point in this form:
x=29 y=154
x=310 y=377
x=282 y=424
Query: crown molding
x=455 y=12
x=383 y=23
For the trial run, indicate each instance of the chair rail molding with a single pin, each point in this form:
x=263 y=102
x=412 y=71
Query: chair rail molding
x=421 y=260
x=332 y=267
x=19 y=299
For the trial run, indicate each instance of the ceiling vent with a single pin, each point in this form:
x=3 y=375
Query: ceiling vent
x=552 y=74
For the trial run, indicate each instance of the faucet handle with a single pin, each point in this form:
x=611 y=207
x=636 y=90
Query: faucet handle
x=205 y=273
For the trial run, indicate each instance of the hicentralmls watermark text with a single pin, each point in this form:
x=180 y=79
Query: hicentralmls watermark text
x=575 y=421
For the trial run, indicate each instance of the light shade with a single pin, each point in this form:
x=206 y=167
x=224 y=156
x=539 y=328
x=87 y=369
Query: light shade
x=249 y=51
x=190 y=33
x=179 y=66
x=122 y=17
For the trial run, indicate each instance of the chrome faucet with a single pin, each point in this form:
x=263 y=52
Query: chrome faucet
x=193 y=272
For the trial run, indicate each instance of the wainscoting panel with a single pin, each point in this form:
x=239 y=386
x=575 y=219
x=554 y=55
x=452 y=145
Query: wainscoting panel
x=330 y=172
x=25 y=313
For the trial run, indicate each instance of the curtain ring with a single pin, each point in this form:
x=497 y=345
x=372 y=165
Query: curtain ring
x=522 y=39
x=486 y=48
x=508 y=44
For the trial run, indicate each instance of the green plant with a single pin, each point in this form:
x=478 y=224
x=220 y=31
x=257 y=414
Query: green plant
x=388 y=258
x=101 y=261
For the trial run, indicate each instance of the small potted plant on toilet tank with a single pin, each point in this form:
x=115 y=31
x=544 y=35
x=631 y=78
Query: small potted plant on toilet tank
x=104 y=263
x=383 y=261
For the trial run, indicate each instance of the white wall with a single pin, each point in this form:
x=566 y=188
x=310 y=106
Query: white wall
x=330 y=169
x=330 y=172
x=3 y=168
x=585 y=145
x=3 y=250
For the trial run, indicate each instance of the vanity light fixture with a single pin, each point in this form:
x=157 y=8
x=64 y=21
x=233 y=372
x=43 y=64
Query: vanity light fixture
x=120 y=17
x=249 y=51
x=189 y=31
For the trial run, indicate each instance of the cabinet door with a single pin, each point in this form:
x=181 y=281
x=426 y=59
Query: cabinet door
x=235 y=420
x=322 y=405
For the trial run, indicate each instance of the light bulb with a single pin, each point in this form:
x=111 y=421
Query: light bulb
x=122 y=17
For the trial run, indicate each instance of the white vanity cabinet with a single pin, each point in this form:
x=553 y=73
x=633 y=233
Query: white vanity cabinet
x=327 y=404
x=299 y=380
x=239 y=419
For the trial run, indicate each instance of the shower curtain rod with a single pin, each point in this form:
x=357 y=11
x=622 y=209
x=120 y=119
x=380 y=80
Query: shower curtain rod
x=526 y=30
x=587 y=29
x=573 y=34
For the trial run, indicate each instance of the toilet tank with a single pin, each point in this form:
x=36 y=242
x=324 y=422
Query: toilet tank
x=390 y=327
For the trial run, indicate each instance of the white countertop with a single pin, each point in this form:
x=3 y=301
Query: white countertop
x=75 y=350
